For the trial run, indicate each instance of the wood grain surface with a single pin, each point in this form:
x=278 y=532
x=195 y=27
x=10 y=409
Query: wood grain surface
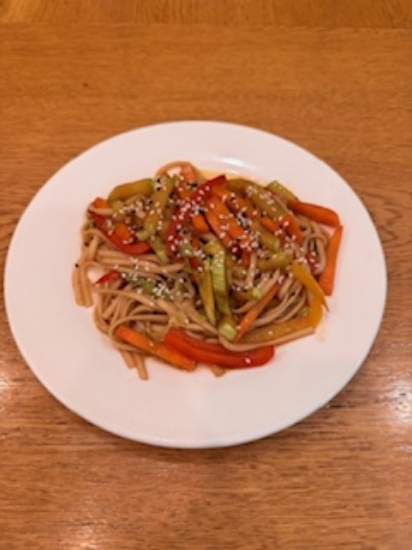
x=335 y=77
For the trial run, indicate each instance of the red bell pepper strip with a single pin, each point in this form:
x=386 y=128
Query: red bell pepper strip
x=215 y=354
x=108 y=277
x=99 y=202
x=186 y=211
x=312 y=260
x=130 y=249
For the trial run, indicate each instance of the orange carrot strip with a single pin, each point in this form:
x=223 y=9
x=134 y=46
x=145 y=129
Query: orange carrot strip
x=315 y=212
x=253 y=313
x=270 y=224
x=167 y=354
x=123 y=232
x=287 y=224
x=182 y=190
x=291 y=226
x=218 y=229
x=198 y=221
x=221 y=192
x=199 y=224
x=327 y=277
x=235 y=202
x=195 y=261
x=233 y=228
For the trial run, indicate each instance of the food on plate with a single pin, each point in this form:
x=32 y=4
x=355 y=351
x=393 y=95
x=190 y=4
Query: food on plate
x=195 y=270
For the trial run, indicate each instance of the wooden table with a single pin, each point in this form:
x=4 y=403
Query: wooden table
x=335 y=77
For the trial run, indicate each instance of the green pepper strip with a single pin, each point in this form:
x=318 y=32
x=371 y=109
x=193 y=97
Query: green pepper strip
x=253 y=293
x=126 y=190
x=278 y=189
x=206 y=292
x=279 y=261
x=262 y=199
x=226 y=324
x=271 y=242
x=159 y=248
x=159 y=201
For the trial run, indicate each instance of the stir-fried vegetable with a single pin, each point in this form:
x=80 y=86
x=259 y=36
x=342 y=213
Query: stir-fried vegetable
x=327 y=278
x=250 y=269
x=216 y=354
x=157 y=349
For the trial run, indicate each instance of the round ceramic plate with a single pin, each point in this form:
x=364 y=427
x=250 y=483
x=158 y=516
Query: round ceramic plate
x=176 y=409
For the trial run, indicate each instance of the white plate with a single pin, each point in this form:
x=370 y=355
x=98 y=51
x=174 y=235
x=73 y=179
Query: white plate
x=176 y=409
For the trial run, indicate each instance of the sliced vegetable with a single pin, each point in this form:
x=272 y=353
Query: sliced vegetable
x=269 y=224
x=199 y=224
x=227 y=327
x=99 y=203
x=282 y=331
x=159 y=198
x=287 y=224
x=159 y=248
x=134 y=249
x=315 y=212
x=262 y=199
x=306 y=278
x=250 y=317
x=280 y=190
x=219 y=281
x=327 y=277
x=241 y=295
x=185 y=212
x=216 y=354
x=267 y=239
x=219 y=229
x=108 y=277
x=229 y=222
x=315 y=312
x=184 y=190
x=236 y=203
x=126 y=190
x=278 y=261
x=206 y=292
x=124 y=233
x=288 y=330
x=152 y=347
x=290 y=225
